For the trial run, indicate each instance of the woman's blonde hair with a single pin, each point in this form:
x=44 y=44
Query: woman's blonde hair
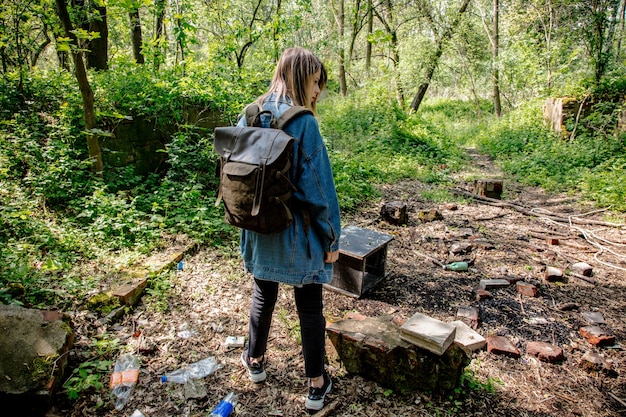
x=294 y=69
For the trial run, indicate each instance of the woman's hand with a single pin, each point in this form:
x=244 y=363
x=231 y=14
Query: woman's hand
x=331 y=257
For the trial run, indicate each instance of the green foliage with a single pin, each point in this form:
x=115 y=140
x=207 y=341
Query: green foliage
x=88 y=376
x=373 y=145
x=592 y=162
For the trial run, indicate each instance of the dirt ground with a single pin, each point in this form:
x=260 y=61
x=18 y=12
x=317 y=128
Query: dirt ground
x=211 y=297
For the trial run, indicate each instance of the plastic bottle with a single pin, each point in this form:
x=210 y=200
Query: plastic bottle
x=193 y=371
x=124 y=378
x=456 y=266
x=225 y=407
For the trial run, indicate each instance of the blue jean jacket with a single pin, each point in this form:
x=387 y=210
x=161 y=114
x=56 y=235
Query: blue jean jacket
x=296 y=255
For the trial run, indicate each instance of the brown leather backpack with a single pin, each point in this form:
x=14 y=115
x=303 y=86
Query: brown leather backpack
x=254 y=171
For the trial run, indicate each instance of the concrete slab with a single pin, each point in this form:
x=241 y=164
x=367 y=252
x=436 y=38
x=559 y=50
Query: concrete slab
x=428 y=333
x=466 y=338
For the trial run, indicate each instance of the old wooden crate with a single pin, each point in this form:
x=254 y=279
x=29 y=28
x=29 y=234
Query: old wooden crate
x=362 y=261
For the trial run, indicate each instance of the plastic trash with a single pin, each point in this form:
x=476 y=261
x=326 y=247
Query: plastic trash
x=456 y=266
x=137 y=413
x=225 y=407
x=124 y=378
x=195 y=370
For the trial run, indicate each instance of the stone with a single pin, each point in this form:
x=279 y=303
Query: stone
x=373 y=349
x=568 y=306
x=394 y=213
x=582 y=268
x=553 y=274
x=460 y=248
x=428 y=333
x=524 y=288
x=429 y=216
x=593 y=317
x=597 y=336
x=500 y=345
x=33 y=358
x=545 y=351
x=489 y=284
x=466 y=338
x=592 y=362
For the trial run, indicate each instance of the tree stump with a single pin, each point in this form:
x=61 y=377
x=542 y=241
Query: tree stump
x=394 y=213
x=371 y=347
x=488 y=188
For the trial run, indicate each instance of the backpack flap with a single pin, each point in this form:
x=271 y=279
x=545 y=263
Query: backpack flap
x=250 y=144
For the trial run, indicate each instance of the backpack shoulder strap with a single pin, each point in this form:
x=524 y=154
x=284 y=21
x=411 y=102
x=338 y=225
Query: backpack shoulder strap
x=290 y=114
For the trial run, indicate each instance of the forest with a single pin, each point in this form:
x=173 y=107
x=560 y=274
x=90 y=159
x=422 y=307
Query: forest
x=107 y=110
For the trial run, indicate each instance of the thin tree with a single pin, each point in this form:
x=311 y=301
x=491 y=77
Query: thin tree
x=370 y=29
x=136 y=35
x=89 y=115
x=386 y=17
x=432 y=64
x=341 y=53
x=497 y=107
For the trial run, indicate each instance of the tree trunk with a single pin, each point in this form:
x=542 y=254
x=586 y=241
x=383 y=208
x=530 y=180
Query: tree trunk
x=340 y=19
x=89 y=114
x=622 y=16
x=136 y=36
x=98 y=55
x=370 y=29
x=497 y=107
x=434 y=61
x=159 y=31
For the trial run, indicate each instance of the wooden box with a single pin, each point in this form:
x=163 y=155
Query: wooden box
x=362 y=260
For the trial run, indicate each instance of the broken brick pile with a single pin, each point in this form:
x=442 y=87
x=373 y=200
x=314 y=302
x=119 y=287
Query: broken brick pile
x=377 y=349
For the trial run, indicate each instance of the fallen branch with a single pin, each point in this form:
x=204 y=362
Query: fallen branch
x=430 y=258
x=579 y=276
x=326 y=411
x=560 y=219
x=616 y=398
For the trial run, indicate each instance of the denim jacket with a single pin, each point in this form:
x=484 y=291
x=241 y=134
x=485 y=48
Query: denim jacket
x=296 y=255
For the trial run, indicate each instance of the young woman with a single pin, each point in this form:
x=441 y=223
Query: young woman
x=301 y=255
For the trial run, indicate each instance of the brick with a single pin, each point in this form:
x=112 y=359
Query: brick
x=545 y=351
x=593 y=317
x=524 y=288
x=597 y=336
x=488 y=284
x=129 y=294
x=500 y=345
x=481 y=294
x=468 y=315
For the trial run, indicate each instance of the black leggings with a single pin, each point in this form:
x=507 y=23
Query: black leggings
x=312 y=322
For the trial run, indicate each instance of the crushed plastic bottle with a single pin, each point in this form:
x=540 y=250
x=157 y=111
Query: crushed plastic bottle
x=124 y=378
x=225 y=407
x=195 y=370
x=456 y=266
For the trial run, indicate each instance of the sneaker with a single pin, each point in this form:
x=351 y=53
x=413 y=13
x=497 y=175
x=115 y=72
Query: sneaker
x=315 y=399
x=256 y=371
